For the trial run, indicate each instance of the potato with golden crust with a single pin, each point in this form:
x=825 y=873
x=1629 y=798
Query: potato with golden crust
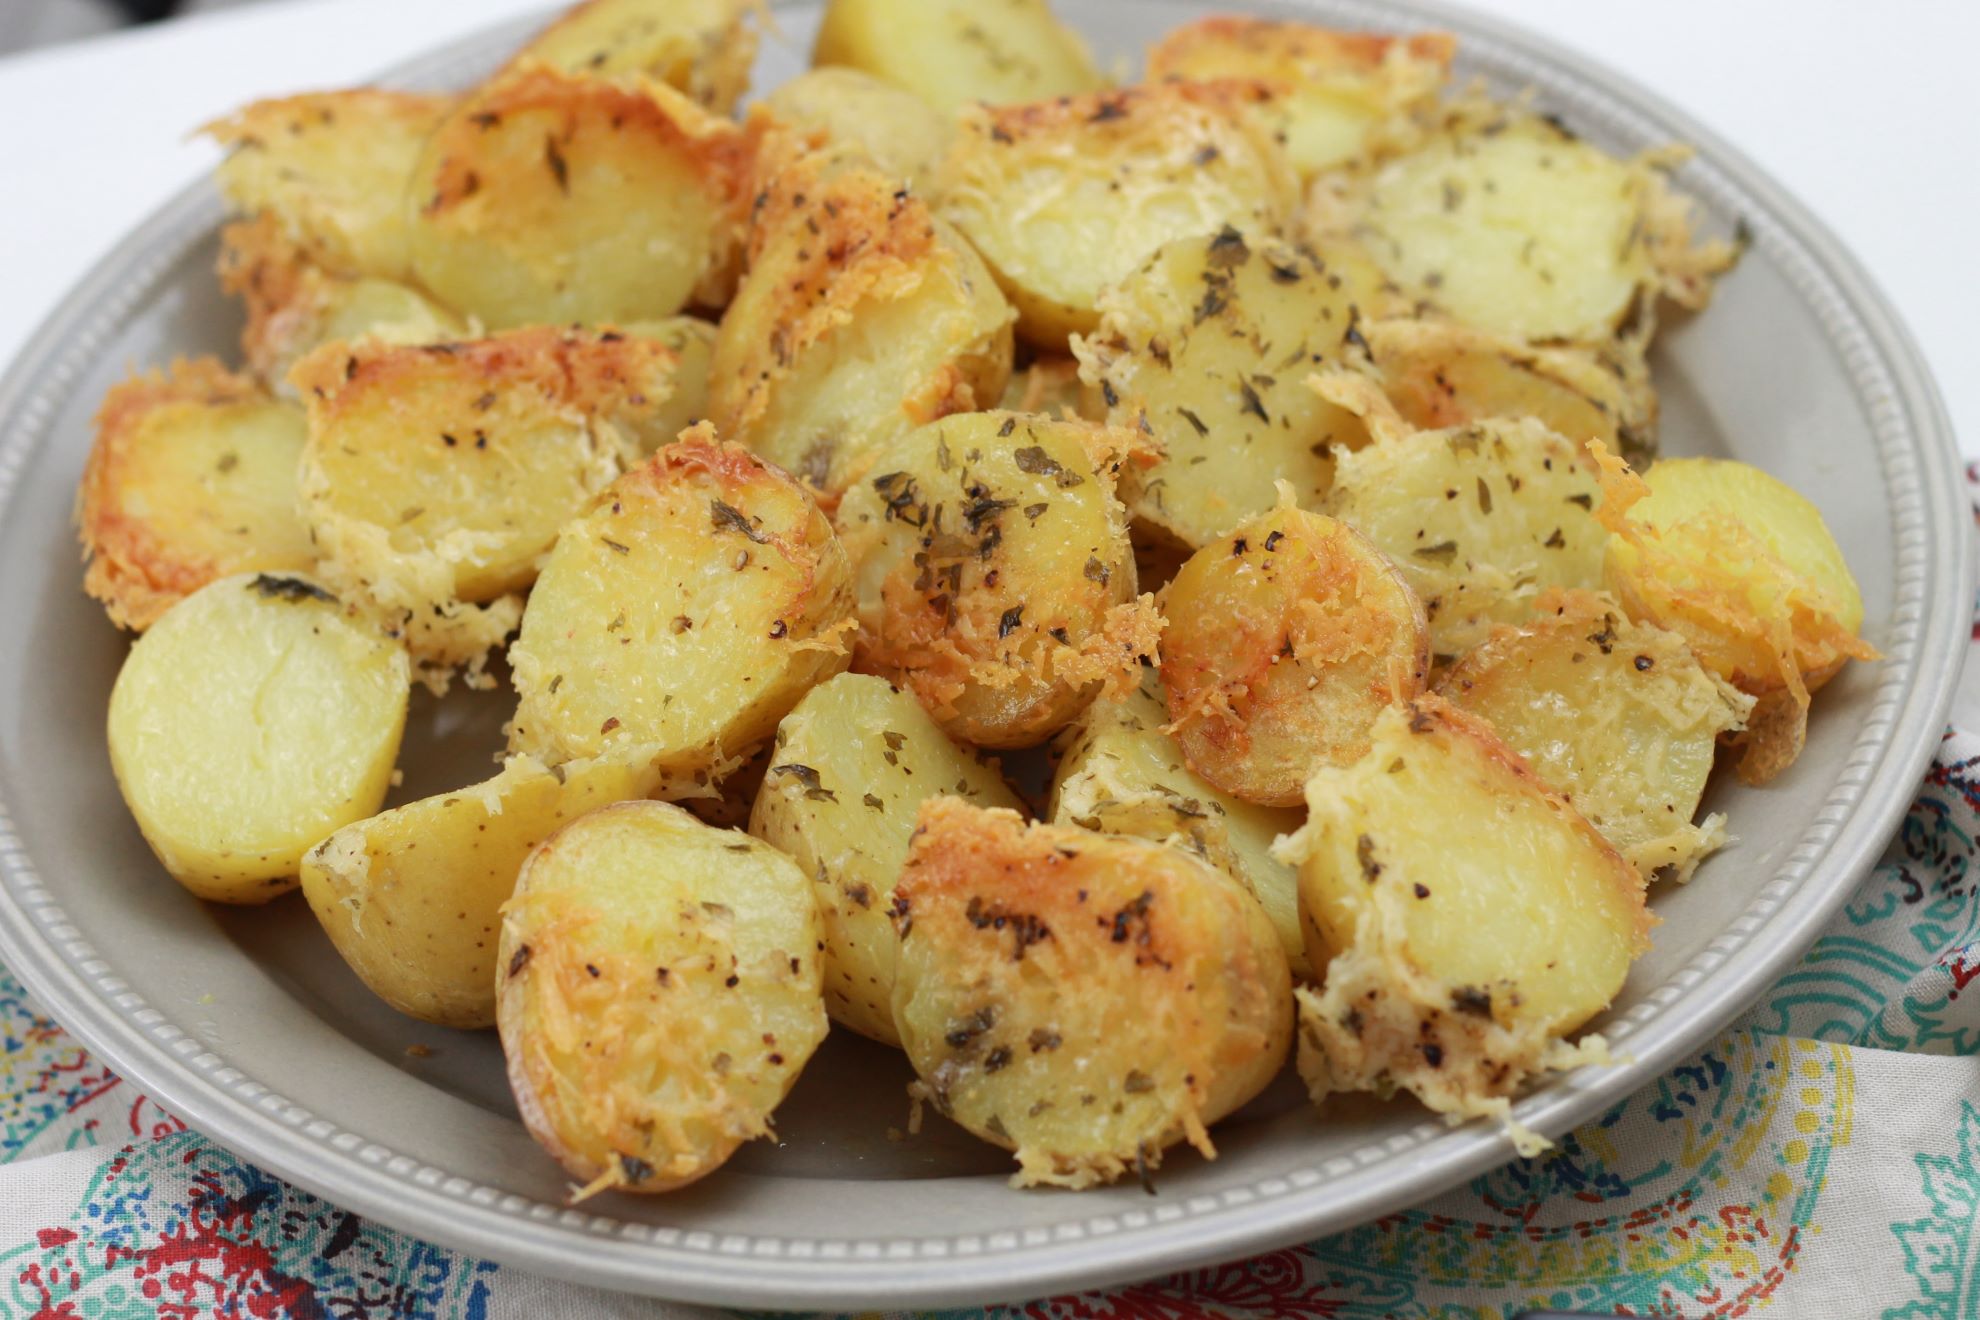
x=702 y=48
x=1286 y=639
x=952 y=52
x=552 y=198
x=256 y=717
x=861 y=317
x=1481 y=519
x=1083 y=1000
x=660 y=421
x=849 y=107
x=996 y=580
x=658 y=994
x=1617 y=717
x=1334 y=92
x=1065 y=198
x=850 y=765
x=334 y=170
x=682 y=615
x=1459 y=942
x=192 y=477
x=1206 y=348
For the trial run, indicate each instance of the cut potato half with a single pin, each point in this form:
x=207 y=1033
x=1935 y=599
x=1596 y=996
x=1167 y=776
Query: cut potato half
x=952 y=52
x=849 y=107
x=702 y=48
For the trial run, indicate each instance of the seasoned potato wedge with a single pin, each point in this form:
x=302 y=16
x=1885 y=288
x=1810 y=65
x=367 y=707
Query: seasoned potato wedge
x=1065 y=198
x=1333 y=91
x=253 y=719
x=702 y=48
x=952 y=52
x=660 y=421
x=1617 y=717
x=1465 y=917
x=1285 y=640
x=850 y=107
x=333 y=169
x=547 y=197
x=861 y=317
x=192 y=477
x=1121 y=773
x=658 y=994
x=1084 y=1000
x=1481 y=519
x=682 y=615
x=996 y=581
x=852 y=763
x=1206 y=347
x=412 y=897
x=1744 y=569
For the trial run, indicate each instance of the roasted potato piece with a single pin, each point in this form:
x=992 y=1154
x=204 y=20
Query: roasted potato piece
x=996 y=581
x=1481 y=519
x=192 y=477
x=1084 y=1000
x=1121 y=773
x=852 y=763
x=702 y=48
x=682 y=616
x=661 y=421
x=253 y=719
x=1285 y=640
x=1207 y=347
x=333 y=169
x=1051 y=386
x=861 y=317
x=952 y=52
x=1460 y=941
x=1065 y=198
x=552 y=198
x=1333 y=91
x=412 y=897
x=1744 y=569
x=659 y=993
x=851 y=107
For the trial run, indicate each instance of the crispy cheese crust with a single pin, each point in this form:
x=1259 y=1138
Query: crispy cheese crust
x=702 y=48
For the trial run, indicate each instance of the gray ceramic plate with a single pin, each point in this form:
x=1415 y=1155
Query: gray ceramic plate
x=248 y=1025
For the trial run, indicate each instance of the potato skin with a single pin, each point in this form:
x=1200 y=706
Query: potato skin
x=952 y=52
x=701 y=48
x=849 y=767
x=191 y=478
x=682 y=616
x=996 y=579
x=851 y=107
x=255 y=717
x=411 y=897
x=658 y=994
x=1065 y=198
x=1083 y=1000
x=1285 y=640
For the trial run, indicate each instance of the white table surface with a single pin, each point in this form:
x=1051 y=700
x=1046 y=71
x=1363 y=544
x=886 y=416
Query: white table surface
x=1864 y=114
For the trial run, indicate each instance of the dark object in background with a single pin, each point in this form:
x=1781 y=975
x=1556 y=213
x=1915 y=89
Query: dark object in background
x=147 y=11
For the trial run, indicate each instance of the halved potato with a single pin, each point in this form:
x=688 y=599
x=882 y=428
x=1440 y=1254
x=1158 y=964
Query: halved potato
x=658 y=994
x=682 y=616
x=1065 y=198
x=253 y=719
x=1285 y=640
x=850 y=765
x=850 y=107
x=1333 y=91
x=1207 y=347
x=661 y=421
x=861 y=317
x=412 y=897
x=996 y=581
x=1084 y=1000
x=1617 y=717
x=548 y=197
x=1465 y=917
x=192 y=477
x=333 y=169
x=1481 y=519
x=703 y=48
x=952 y=52
x=1121 y=773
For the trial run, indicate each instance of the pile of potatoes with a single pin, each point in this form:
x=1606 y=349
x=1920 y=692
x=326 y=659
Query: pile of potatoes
x=1259 y=457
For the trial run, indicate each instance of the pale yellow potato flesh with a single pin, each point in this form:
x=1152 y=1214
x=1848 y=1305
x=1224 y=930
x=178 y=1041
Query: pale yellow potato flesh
x=252 y=720
x=692 y=341
x=659 y=994
x=703 y=48
x=850 y=107
x=849 y=767
x=952 y=52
